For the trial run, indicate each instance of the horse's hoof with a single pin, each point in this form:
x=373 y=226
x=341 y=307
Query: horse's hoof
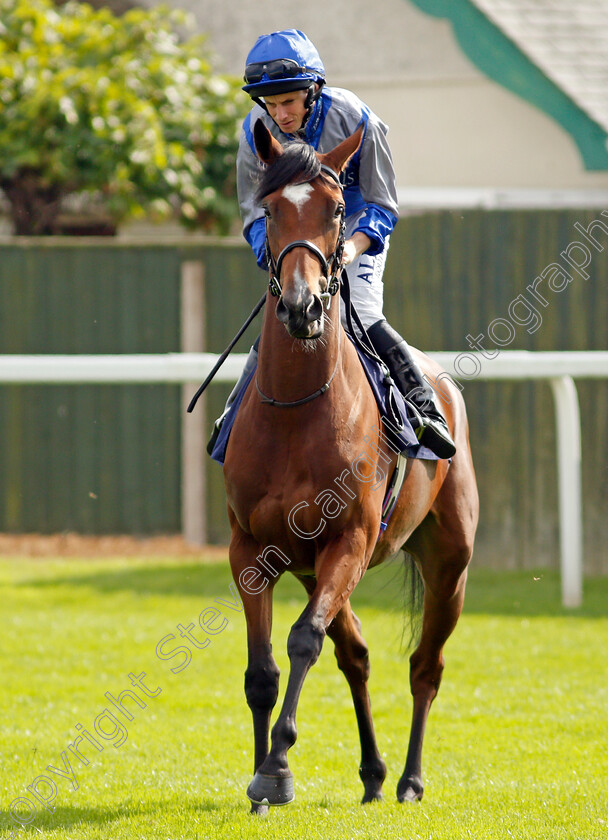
x=410 y=790
x=271 y=790
x=372 y=775
x=259 y=810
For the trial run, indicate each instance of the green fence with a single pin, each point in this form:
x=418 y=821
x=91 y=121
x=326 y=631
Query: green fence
x=106 y=459
x=451 y=275
x=92 y=459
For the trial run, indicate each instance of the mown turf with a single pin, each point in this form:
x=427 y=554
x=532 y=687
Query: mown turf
x=515 y=747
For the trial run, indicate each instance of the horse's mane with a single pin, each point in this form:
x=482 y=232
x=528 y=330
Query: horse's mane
x=298 y=163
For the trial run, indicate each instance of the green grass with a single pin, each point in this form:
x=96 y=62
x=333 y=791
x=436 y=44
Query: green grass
x=515 y=746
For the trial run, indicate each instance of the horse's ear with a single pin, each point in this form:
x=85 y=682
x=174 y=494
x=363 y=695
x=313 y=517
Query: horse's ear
x=338 y=158
x=267 y=147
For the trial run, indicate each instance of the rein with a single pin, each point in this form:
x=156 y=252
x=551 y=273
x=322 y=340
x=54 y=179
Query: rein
x=332 y=269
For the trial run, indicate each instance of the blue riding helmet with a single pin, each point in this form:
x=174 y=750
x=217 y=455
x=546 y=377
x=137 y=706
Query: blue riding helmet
x=281 y=62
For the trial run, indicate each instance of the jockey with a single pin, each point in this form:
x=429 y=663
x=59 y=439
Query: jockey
x=285 y=77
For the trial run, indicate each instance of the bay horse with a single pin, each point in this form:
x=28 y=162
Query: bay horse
x=305 y=470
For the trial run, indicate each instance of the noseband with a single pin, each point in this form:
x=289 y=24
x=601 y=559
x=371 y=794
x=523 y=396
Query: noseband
x=331 y=266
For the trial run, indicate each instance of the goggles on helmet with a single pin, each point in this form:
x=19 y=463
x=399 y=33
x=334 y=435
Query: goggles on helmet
x=280 y=68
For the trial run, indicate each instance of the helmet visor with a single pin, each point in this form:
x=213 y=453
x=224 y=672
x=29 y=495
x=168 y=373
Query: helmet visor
x=280 y=68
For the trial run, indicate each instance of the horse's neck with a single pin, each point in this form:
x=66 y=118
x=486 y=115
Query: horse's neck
x=290 y=369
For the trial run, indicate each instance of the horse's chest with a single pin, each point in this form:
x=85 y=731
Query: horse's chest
x=277 y=493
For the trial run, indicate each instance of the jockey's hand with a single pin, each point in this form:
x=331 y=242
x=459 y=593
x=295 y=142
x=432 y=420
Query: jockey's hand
x=353 y=247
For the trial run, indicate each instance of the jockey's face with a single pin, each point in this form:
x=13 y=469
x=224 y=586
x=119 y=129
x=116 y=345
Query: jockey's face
x=288 y=110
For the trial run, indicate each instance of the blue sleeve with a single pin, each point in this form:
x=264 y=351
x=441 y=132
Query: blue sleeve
x=256 y=236
x=377 y=223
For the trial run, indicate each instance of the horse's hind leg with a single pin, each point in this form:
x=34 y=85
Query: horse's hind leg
x=353 y=660
x=443 y=567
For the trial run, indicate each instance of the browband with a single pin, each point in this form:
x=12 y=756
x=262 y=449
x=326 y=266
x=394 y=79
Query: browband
x=327 y=170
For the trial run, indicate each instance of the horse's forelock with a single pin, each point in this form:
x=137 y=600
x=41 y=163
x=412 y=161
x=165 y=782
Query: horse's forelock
x=298 y=164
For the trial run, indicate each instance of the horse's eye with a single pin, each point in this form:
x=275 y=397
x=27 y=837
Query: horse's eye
x=338 y=211
x=266 y=212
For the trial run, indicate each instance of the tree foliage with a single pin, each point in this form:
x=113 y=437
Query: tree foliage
x=118 y=106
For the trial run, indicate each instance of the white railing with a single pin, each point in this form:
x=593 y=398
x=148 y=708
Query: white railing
x=558 y=368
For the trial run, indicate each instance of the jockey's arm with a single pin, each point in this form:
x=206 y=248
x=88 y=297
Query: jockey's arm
x=355 y=246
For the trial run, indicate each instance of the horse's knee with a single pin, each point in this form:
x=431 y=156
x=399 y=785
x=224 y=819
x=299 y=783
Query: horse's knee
x=305 y=641
x=262 y=685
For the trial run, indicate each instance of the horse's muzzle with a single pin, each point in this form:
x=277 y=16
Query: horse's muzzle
x=301 y=313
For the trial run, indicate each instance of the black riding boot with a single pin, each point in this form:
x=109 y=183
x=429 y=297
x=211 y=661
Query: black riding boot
x=394 y=351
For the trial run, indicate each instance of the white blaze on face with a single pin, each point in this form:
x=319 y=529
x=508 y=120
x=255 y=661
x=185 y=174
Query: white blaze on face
x=297 y=194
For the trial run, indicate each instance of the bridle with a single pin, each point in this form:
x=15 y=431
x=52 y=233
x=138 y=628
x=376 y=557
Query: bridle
x=332 y=271
x=331 y=266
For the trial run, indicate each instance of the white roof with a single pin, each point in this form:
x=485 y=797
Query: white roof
x=566 y=39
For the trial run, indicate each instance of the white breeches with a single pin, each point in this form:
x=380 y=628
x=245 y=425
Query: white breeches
x=366 y=286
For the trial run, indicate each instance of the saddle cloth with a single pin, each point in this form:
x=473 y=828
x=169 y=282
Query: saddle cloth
x=402 y=440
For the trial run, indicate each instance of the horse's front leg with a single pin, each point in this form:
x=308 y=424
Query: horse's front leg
x=262 y=674
x=338 y=572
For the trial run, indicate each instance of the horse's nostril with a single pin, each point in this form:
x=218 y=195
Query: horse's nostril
x=315 y=309
x=282 y=311
x=299 y=312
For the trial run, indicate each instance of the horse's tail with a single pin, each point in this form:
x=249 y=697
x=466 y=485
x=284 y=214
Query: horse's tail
x=413 y=595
